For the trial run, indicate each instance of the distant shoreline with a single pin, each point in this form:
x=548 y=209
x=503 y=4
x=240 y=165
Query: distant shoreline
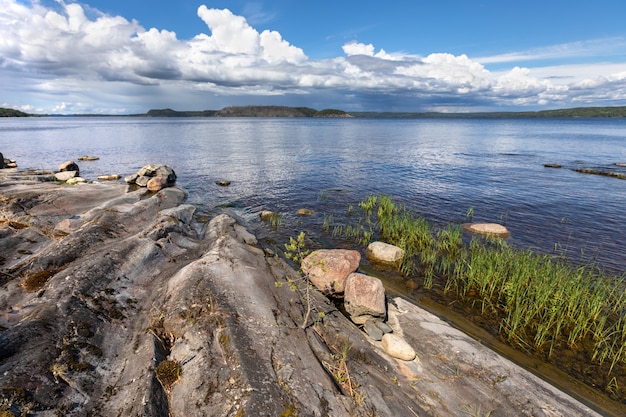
x=286 y=111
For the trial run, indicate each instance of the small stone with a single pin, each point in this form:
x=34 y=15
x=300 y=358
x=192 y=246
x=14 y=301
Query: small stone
x=397 y=347
x=142 y=181
x=76 y=180
x=552 y=165
x=131 y=179
x=267 y=214
x=223 y=183
x=87 y=158
x=305 y=212
x=384 y=327
x=373 y=330
x=109 y=177
x=157 y=183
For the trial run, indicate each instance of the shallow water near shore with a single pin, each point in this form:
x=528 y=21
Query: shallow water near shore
x=438 y=168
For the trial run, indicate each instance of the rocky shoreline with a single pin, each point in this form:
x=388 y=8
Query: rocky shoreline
x=117 y=301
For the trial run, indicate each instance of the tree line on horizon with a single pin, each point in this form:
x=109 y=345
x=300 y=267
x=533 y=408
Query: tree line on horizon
x=286 y=111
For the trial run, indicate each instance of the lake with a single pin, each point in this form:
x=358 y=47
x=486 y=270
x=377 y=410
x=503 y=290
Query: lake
x=439 y=168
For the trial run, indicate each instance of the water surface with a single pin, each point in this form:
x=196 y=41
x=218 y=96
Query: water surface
x=438 y=168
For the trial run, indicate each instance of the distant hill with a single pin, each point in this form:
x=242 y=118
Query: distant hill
x=12 y=113
x=174 y=113
x=574 y=112
x=285 y=111
x=251 y=111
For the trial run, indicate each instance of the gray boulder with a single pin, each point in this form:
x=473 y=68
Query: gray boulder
x=69 y=166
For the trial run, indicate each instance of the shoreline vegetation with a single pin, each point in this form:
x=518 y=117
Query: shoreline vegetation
x=286 y=111
x=545 y=306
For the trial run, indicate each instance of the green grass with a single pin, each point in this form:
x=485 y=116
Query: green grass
x=542 y=302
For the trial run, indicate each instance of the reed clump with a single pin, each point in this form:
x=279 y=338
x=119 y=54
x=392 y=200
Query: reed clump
x=541 y=302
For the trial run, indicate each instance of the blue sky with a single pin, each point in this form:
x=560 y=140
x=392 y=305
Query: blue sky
x=129 y=56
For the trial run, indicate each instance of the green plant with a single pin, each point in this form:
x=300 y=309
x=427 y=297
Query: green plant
x=543 y=303
x=275 y=219
x=297 y=252
x=470 y=214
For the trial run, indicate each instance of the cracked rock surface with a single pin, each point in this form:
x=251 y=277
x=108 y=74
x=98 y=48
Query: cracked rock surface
x=102 y=286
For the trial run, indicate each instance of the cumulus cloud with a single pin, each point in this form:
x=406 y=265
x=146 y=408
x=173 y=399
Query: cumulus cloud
x=69 y=61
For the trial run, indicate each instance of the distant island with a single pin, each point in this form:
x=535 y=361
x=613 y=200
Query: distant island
x=13 y=113
x=252 y=111
x=286 y=111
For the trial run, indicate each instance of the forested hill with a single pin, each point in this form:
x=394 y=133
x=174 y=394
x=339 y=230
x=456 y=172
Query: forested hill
x=251 y=111
x=12 y=113
x=285 y=111
x=573 y=112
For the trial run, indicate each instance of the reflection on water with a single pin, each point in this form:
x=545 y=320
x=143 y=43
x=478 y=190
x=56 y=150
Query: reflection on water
x=439 y=168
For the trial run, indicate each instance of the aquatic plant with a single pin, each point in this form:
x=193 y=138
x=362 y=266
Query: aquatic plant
x=543 y=302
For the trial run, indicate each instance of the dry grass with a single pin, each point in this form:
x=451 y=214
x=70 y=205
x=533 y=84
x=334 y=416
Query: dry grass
x=34 y=281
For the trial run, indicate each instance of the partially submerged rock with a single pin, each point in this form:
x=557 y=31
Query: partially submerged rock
x=384 y=253
x=487 y=229
x=154 y=177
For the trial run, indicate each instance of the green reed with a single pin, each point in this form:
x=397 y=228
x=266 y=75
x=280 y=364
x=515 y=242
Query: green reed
x=543 y=302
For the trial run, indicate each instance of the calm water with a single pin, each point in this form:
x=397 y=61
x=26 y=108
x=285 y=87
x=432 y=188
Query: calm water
x=438 y=168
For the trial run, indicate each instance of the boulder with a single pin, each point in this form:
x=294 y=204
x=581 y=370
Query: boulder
x=397 y=347
x=69 y=166
x=223 y=183
x=487 y=229
x=63 y=176
x=166 y=175
x=328 y=268
x=364 y=297
x=158 y=171
x=87 y=158
x=1 y=161
x=384 y=253
x=156 y=183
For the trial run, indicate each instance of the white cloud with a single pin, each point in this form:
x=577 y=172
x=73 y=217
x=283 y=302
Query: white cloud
x=66 y=60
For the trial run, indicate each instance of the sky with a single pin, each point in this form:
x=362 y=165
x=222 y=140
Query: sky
x=130 y=56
